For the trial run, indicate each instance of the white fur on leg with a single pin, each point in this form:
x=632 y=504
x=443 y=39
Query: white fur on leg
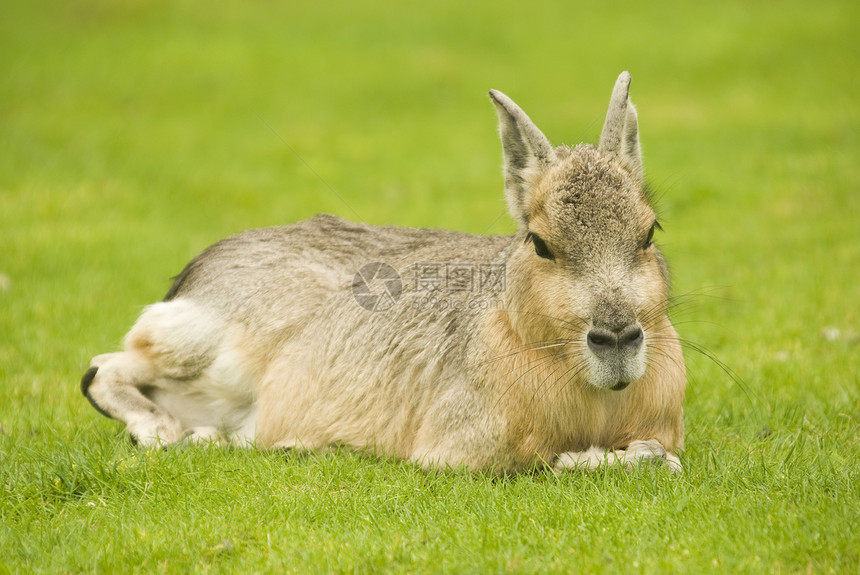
x=649 y=451
x=206 y=436
x=588 y=460
x=153 y=430
x=112 y=388
x=638 y=452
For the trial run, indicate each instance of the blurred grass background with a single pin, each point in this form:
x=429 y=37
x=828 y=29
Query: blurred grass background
x=134 y=134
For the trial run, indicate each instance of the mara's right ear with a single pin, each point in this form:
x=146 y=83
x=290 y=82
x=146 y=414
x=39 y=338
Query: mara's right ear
x=620 y=136
x=527 y=154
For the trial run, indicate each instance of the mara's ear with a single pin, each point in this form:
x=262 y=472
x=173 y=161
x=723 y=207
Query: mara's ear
x=527 y=154
x=620 y=136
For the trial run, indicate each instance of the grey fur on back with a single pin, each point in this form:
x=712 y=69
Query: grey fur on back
x=272 y=279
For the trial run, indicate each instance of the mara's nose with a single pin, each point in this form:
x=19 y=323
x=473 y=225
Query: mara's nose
x=602 y=340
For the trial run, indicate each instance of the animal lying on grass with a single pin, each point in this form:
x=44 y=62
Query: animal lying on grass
x=550 y=346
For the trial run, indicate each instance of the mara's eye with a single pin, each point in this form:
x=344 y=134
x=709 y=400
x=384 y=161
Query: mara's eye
x=649 y=241
x=540 y=247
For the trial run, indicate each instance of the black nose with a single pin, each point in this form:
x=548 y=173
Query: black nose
x=602 y=340
x=631 y=338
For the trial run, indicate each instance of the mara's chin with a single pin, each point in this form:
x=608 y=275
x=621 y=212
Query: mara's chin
x=616 y=376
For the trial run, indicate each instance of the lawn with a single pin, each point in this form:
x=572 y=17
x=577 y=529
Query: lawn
x=134 y=134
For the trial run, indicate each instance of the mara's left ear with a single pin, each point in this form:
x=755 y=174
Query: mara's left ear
x=620 y=136
x=527 y=154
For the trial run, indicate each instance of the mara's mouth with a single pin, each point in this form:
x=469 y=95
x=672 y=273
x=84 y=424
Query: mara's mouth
x=616 y=372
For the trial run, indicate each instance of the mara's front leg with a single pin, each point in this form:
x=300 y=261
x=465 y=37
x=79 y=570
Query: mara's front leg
x=638 y=452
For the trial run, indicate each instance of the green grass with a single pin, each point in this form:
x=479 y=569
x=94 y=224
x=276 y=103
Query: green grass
x=134 y=134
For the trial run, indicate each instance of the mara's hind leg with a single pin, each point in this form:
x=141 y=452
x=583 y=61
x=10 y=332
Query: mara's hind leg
x=113 y=386
x=170 y=345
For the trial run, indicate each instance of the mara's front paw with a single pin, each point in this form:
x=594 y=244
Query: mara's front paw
x=206 y=436
x=588 y=460
x=649 y=451
x=638 y=452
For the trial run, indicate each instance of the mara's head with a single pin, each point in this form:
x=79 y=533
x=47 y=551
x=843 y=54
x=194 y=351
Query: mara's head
x=584 y=276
